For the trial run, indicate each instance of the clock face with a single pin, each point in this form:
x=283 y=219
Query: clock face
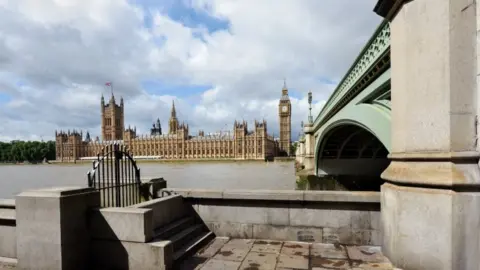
x=284 y=109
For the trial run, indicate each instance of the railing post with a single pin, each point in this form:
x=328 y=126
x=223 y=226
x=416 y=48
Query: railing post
x=117 y=175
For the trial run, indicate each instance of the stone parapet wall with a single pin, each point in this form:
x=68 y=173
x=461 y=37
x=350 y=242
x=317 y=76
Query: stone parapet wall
x=323 y=216
x=8 y=244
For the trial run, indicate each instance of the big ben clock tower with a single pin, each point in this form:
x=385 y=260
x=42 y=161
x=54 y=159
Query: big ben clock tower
x=285 y=115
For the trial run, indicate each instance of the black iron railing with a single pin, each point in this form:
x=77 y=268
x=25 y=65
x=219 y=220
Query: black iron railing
x=116 y=176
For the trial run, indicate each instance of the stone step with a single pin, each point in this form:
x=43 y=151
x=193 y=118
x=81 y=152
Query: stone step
x=181 y=238
x=7 y=217
x=7 y=203
x=193 y=246
x=173 y=228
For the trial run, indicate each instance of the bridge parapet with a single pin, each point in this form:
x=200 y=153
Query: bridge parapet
x=372 y=60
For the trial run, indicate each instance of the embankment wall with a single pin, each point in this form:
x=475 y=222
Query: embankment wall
x=324 y=216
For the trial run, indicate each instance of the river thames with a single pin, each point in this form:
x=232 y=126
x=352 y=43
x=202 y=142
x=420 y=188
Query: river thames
x=205 y=175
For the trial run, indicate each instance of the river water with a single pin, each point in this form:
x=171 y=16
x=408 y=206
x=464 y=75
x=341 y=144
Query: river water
x=238 y=175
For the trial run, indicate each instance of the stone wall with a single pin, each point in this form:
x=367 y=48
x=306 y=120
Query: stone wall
x=324 y=216
x=7 y=229
x=8 y=241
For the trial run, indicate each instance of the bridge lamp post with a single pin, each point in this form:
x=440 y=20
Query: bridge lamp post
x=310 y=118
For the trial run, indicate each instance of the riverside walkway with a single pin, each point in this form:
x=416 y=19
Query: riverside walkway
x=249 y=254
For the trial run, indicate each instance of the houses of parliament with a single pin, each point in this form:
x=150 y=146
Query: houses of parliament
x=178 y=143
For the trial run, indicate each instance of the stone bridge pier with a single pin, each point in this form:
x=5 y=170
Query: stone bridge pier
x=431 y=201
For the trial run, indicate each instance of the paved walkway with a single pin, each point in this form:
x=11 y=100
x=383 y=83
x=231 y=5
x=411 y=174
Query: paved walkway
x=248 y=254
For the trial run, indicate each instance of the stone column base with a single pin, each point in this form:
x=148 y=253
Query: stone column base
x=427 y=228
x=309 y=162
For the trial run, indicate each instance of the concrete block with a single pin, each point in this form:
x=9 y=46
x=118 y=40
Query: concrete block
x=287 y=233
x=277 y=214
x=165 y=210
x=8 y=242
x=124 y=224
x=156 y=185
x=361 y=219
x=107 y=254
x=419 y=234
x=320 y=217
x=342 y=196
x=375 y=220
x=52 y=228
x=234 y=214
x=230 y=229
x=271 y=195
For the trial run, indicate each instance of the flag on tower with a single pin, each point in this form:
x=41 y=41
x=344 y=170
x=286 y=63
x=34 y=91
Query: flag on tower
x=109 y=84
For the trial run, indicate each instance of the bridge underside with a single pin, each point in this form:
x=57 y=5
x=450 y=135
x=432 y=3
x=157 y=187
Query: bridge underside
x=354 y=156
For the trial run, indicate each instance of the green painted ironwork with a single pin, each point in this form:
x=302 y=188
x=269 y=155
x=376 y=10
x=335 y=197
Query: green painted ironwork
x=373 y=54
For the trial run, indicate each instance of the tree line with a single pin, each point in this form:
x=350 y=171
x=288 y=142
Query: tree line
x=31 y=151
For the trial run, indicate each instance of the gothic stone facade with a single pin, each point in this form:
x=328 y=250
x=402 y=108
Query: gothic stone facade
x=177 y=144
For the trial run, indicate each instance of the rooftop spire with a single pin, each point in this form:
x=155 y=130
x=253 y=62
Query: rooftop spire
x=284 y=89
x=173 y=113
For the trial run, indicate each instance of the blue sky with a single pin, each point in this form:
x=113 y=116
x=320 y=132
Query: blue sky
x=4 y=97
x=181 y=11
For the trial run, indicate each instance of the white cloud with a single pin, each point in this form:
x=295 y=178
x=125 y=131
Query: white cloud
x=55 y=57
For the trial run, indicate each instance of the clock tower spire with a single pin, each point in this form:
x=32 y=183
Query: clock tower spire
x=285 y=117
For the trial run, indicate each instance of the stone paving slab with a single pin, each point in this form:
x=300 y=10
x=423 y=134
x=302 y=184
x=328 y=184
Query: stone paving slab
x=250 y=254
x=259 y=261
x=213 y=247
x=329 y=251
x=267 y=246
x=296 y=248
x=214 y=264
x=286 y=261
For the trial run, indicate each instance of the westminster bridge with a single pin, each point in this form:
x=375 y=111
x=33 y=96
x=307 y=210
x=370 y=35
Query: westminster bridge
x=406 y=112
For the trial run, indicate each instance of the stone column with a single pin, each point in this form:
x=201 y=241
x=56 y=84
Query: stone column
x=309 y=157
x=431 y=201
x=52 y=228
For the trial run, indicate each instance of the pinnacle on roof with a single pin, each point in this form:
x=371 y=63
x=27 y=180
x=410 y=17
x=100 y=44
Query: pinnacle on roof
x=173 y=112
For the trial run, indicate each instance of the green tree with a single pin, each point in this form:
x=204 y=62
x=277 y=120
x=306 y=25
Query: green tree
x=293 y=148
x=33 y=151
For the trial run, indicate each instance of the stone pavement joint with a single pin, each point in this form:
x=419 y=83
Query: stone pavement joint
x=256 y=254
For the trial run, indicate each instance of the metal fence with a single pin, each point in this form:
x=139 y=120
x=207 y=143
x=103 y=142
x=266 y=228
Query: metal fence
x=116 y=176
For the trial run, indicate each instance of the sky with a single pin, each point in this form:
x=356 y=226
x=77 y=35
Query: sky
x=219 y=60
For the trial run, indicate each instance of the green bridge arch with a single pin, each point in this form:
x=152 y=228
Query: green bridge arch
x=373 y=118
